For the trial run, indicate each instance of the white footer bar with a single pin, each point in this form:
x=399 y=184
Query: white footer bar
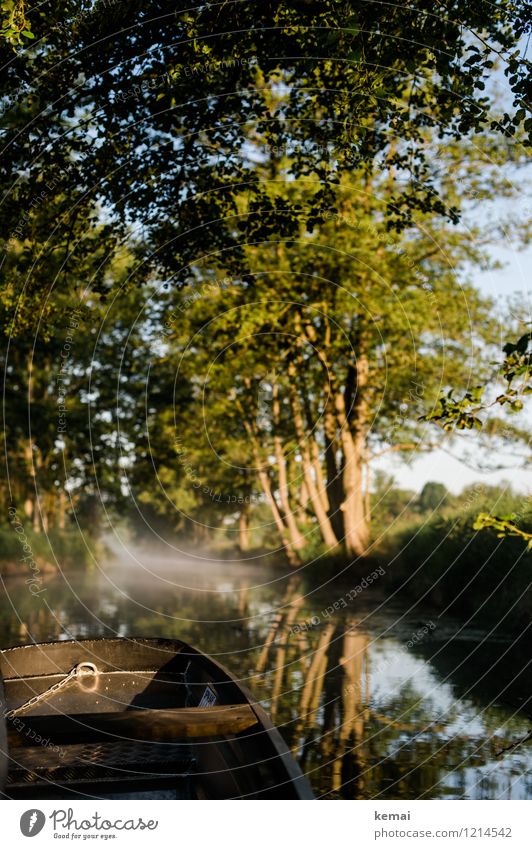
x=267 y=825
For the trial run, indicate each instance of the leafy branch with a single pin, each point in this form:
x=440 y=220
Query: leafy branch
x=451 y=412
x=15 y=25
x=505 y=525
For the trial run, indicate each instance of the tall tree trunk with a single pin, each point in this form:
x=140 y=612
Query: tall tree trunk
x=294 y=533
x=32 y=499
x=297 y=491
x=318 y=472
x=326 y=529
x=296 y=537
x=356 y=531
x=30 y=458
x=303 y=495
x=352 y=436
x=278 y=519
x=334 y=480
x=46 y=514
x=243 y=529
x=315 y=452
x=61 y=509
x=265 y=483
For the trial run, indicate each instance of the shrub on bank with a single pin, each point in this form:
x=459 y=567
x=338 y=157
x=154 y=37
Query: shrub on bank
x=466 y=573
x=20 y=545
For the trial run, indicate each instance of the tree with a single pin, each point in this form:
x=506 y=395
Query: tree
x=351 y=331
x=132 y=135
x=15 y=26
x=69 y=421
x=106 y=141
x=432 y=497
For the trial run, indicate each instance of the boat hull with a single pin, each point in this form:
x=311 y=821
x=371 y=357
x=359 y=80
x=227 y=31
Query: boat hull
x=136 y=718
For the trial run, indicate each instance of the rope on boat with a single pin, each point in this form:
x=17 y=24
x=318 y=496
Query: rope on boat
x=79 y=671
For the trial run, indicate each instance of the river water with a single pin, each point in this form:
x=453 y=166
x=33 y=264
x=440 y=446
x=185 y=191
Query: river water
x=374 y=702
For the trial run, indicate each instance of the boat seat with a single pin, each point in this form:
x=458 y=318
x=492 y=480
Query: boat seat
x=142 y=725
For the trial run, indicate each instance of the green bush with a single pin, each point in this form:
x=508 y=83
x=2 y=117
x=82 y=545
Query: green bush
x=467 y=573
x=69 y=549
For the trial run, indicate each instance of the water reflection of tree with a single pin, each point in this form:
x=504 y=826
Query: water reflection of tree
x=321 y=675
x=25 y=617
x=353 y=745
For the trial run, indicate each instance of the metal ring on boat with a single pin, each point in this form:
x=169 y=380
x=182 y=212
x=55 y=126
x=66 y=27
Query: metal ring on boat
x=86 y=668
x=87 y=675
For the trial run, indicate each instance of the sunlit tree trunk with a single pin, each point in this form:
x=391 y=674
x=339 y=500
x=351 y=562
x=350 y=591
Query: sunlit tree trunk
x=328 y=535
x=296 y=538
x=356 y=531
x=351 y=423
x=243 y=529
x=303 y=496
x=278 y=519
x=315 y=453
x=352 y=437
x=334 y=481
x=30 y=458
x=30 y=503
x=265 y=483
x=46 y=514
x=318 y=472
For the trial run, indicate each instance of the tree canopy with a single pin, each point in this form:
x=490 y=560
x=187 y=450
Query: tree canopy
x=264 y=216
x=153 y=121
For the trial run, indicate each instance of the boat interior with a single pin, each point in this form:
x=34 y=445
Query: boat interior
x=134 y=719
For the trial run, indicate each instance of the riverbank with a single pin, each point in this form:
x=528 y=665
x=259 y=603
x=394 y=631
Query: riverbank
x=472 y=575
x=441 y=566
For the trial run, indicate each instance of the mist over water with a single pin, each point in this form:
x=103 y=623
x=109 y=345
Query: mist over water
x=198 y=568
